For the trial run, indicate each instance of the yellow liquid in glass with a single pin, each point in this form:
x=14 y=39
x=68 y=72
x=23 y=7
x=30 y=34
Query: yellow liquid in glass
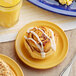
x=9 y=12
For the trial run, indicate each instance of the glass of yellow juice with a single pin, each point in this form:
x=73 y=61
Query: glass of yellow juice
x=9 y=12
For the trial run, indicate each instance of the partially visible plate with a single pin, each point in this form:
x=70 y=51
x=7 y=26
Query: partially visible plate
x=51 y=61
x=54 y=6
x=15 y=67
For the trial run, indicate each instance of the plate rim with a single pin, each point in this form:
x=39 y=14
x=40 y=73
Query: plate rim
x=45 y=8
x=7 y=57
x=33 y=66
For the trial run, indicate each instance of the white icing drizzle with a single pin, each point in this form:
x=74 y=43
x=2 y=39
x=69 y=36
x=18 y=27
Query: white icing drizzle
x=43 y=32
x=53 y=45
x=43 y=54
x=42 y=49
x=33 y=41
x=37 y=38
x=30 y=29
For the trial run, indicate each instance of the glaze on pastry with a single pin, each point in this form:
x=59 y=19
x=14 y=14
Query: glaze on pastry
x=41 y=41
x=5 y=70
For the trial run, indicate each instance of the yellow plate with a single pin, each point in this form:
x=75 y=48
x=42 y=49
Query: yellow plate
x=14 y=66
x=54 y=59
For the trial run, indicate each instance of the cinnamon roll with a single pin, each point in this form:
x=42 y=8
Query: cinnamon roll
x=40 y=42
x=5 y=70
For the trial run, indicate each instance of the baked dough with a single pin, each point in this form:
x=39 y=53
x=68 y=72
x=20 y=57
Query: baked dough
x=5 y=70
x=40 y=40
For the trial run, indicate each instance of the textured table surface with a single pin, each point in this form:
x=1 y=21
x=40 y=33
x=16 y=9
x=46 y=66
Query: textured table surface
x=9 y=50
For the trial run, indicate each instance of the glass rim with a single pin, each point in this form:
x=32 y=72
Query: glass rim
x=11 y=6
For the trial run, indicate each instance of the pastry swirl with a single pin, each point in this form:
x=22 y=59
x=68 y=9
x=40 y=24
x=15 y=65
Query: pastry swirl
x=41 y=39
x=5 y=70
